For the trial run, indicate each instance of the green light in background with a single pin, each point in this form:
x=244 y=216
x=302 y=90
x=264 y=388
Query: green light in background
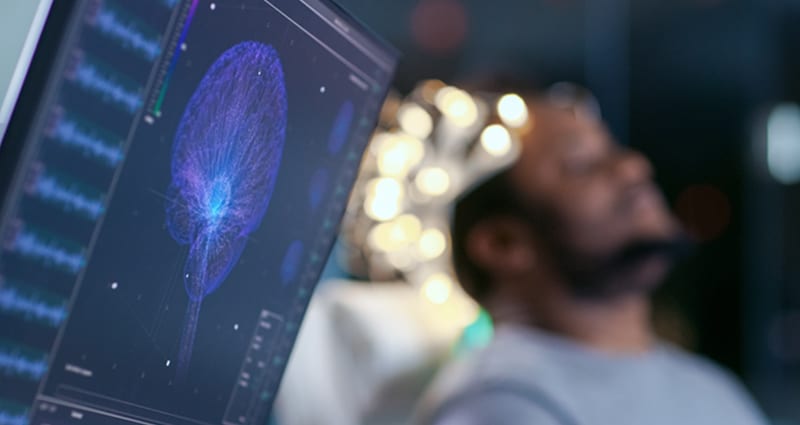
x=476 y=335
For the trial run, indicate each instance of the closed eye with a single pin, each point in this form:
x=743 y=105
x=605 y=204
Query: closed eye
x=581 y=165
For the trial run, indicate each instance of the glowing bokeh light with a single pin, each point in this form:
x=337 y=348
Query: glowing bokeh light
x=496 y=140
x=432 y=243
x=385 y=187
x=396 y=234
x=398 y=154
x=783 y=143
x=408 y=228
x=380 y=238
x=437 y=288
x=457 y=105
x=384 y=199
x=433 y=181
x=512 y=110
x=380 y=210
x=415 y=120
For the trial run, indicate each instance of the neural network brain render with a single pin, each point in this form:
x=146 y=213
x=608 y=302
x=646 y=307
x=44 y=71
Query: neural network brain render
x=225 y=161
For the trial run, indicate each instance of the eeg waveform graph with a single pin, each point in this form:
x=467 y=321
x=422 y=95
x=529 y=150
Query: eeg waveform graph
x=74 y=134
x=7 y=418
x=48 y=251
x=106 y=52
x=32 y=305
x=12 y=414
x=69 y=196
x=130 y=35
x=20 y=362
x=225 y=160
x=97 y=80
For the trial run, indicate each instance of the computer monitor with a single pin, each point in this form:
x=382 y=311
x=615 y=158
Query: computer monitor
x=173 y=177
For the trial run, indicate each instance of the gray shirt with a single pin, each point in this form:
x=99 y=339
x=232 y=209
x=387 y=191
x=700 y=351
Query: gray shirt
x=527 y=376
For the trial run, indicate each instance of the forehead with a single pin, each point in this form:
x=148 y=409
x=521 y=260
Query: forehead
x=556 y=135
x=559 y=130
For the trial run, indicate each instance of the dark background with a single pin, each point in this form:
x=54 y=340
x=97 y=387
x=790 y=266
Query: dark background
x=689 y=82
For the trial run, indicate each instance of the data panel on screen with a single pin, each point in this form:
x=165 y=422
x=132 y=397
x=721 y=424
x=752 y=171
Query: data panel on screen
x=192 y=164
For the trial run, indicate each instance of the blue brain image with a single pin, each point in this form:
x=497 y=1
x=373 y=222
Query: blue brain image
x=341 y=127
x=291 y=262
x=317 y=187
x=225 y=160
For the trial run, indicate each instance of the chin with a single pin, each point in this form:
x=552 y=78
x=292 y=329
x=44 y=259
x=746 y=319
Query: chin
x=636 y=274
x=648 y=274
x=638 y=280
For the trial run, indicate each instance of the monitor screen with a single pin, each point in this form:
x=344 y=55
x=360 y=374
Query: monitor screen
x=176 y=188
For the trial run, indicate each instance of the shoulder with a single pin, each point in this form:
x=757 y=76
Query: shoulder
x=507 y=357
x=717 y=385
x=492 y=408
x=696 y=368
x=492 y=386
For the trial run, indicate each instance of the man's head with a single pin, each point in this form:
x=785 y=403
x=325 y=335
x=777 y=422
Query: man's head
x=576 y=210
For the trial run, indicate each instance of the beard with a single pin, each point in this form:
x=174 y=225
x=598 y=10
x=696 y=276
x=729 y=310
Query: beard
x=614 y=273
x=622 y=271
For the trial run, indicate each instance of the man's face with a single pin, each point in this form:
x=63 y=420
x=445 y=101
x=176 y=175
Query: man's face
x=600 y=196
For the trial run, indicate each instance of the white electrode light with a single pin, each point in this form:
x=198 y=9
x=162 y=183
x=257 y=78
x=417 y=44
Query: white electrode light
x=437 y=288
x=398 y=154
x=415 y=120
x=457 y=105
x=512 y=110
x=496 y=140
x=432 y=243
x=433 y=181
x=384 y=198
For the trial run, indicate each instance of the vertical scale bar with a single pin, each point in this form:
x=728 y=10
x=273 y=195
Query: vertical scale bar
x=249 y=395
x=156 y=111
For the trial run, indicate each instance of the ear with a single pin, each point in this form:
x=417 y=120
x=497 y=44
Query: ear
x=502 y=246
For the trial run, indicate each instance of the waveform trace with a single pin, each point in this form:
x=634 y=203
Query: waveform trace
x=33 y=246
x=111 y=23
x=31 y=306
x=55 y=190
x=13 y=413
x=72 y=134
x=15 y=363
x=9 y=418
x=91 y=78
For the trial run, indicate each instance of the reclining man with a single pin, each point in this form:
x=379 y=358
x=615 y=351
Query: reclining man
x=563 y=250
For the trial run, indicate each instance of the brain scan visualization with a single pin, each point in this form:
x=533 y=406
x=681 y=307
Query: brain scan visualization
x=225 y=160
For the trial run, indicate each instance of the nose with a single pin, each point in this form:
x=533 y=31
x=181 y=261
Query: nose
x=632 y=167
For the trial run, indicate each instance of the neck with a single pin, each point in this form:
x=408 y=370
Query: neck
x=621 y=325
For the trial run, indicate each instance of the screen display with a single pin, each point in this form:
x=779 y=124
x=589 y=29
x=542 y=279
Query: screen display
x=180 y=193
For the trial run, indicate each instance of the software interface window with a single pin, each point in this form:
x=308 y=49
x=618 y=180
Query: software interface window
x=185 y=180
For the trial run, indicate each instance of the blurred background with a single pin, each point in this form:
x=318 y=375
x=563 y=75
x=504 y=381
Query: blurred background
x=706 y=88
